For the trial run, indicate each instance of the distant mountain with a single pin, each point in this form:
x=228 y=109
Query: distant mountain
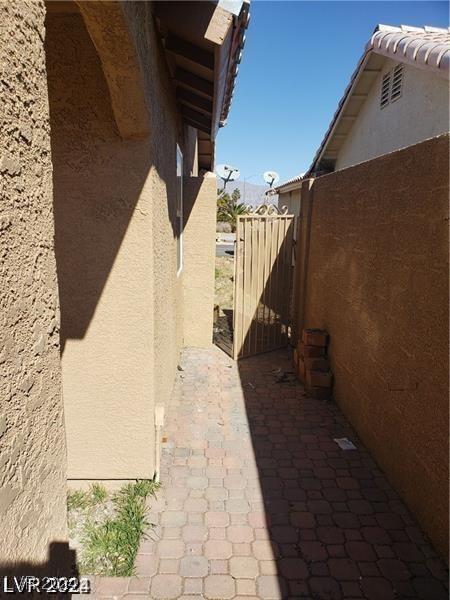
x=250 y=193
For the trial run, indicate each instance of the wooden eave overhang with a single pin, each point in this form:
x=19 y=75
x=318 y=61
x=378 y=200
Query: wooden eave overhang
x=203 y=43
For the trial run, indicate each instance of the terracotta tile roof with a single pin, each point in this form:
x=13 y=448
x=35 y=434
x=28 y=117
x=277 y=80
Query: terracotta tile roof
x=425 y=47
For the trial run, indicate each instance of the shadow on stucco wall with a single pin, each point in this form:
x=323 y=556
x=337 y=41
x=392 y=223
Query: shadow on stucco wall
x=97 y=176
x=61 y=564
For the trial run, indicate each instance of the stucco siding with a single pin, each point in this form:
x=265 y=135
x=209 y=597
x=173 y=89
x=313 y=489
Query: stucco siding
x=199 y=259
x=32 y=443
x=103 y=222
x=422 y=112
x=116 y=230
x=376 y=278
x=166 y=132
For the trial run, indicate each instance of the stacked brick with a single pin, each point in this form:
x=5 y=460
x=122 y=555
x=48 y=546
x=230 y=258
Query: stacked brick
x=312 y=363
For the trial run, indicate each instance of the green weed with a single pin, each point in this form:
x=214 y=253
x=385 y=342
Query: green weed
x=77 y=500
x=110 y=548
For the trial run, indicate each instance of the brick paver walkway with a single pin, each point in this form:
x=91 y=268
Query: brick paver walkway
x=258 y=501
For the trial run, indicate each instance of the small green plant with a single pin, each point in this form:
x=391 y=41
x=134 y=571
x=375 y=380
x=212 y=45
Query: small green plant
x=77 y=500
x=98 y=493
x=110 y=547
x=81 y=500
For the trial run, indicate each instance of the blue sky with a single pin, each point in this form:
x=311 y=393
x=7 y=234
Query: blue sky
x=297 y=61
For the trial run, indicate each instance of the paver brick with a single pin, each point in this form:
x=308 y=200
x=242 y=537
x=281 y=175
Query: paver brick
x=168 y=565
x=170 y=549
x=139 y=584
x=166 y=586
x=237 y=505
x=293 y=568
x=218 y=549
x=239 y=534
x=219 y=586
x=146 y=565
x=193 y=566
x=217 y=519
x=312 y=550
x=193 y=586
x=330 y=535
x=375 y=588
x=173 y=518
x=243 y=568
x=343 y=569
x=110 y=586
x=245 y=587
x=270 y=587
x=265 y=550
x=259 y=503
x=194 y=533
x=325 y=588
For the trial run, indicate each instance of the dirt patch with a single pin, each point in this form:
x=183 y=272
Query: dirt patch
x=224 y=283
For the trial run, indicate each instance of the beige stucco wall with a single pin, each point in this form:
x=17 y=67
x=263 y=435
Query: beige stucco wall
x=377 y=280
x=291 y=200
x=32 y=445
x=420 y=113
x=121 y=299
x=166 y=132
x=199 y=256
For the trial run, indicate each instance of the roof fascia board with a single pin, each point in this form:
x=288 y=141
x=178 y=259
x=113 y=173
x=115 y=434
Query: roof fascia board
x=289 y=187
x=347 y=95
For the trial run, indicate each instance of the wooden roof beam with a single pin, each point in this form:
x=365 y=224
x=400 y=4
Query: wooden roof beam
x=196 y=125
x=195 y=101
x=196 y=116
x=194 y=82
x=189 y=51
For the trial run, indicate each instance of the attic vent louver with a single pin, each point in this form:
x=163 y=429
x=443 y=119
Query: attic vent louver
x=397 y=81
x=385 y=87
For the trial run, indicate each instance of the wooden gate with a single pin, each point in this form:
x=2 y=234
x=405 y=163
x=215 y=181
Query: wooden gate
x=263 y=281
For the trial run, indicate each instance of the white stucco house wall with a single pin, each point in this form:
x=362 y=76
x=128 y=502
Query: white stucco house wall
x=289 y=194
x=398 y=96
